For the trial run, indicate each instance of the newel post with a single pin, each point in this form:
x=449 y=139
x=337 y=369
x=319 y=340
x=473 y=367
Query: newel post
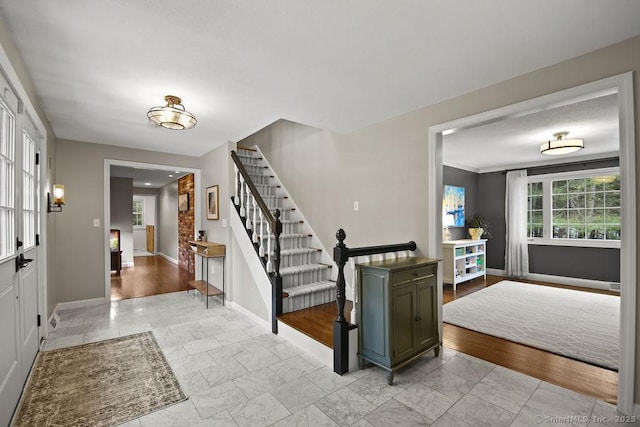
x=341 y=326
x=276 y=278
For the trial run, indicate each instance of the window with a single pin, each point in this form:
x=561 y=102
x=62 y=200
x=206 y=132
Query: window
x=138 y=212
x=581 y=207
x=28 y=190
x=535 y=213
x=7 y=185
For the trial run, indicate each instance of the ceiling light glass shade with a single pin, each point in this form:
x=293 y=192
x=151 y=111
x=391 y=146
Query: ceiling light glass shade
x=561 y=145
x=173 y=115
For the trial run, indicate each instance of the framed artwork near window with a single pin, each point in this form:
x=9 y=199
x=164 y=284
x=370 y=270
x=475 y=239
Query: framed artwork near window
x=183 y=202
x=212 y=202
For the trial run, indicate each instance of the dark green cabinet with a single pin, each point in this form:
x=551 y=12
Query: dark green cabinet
x=397 y=312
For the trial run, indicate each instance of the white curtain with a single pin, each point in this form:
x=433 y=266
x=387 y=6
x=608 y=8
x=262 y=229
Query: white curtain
x=516 y=257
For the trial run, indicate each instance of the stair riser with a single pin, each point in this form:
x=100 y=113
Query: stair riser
x=308 y=300
x=292 y=280
x=288 y=243
x=291 y=228
x=299 y=259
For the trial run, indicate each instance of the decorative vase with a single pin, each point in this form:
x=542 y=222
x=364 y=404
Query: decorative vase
x=476 y=233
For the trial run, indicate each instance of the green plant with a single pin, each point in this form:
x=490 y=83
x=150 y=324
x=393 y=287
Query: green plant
x=478 y=221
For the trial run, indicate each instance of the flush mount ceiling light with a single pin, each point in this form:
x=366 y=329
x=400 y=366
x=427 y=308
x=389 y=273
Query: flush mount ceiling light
x=173 y=115
x=561 y=145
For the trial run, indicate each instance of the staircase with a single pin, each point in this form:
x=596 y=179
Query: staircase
x=305 y=268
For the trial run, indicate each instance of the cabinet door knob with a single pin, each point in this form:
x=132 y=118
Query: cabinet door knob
x=417 y=318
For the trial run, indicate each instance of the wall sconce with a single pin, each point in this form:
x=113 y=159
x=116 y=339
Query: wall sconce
x=58 y=199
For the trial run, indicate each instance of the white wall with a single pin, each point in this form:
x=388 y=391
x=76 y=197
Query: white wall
x=140 y=234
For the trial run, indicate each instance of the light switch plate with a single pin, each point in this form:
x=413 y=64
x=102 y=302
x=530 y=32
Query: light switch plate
x=223 y=222
x=356 y=206
x=96 y=222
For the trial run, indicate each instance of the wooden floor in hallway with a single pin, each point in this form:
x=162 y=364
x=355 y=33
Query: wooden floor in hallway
x=572 y=374
x=151 y=275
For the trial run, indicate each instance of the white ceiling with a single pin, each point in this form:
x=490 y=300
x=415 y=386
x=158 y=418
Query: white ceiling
x=239 y=65
x=515 y=142
x=156 y=178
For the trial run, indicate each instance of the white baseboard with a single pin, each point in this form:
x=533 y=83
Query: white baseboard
x=167 y=257
x=79 y=303
x=260 y=321
x=571 y=281
x=128 y=264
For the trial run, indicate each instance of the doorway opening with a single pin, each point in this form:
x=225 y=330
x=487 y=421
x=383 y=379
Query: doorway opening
x=142 y=212
x=622 y=85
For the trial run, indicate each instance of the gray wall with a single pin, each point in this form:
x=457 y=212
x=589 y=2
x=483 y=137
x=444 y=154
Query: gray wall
x=468 y=180
x=216 y=170
x=491 y=191
x=121 y=215
x=80 y=247
x=384 y=165
x=167 y=243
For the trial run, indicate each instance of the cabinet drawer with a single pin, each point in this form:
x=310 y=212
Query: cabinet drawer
x=414 y=274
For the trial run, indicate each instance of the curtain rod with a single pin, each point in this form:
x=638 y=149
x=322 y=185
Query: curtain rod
x=583 y=163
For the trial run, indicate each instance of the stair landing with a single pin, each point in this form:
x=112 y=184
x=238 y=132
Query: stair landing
x=316 y=322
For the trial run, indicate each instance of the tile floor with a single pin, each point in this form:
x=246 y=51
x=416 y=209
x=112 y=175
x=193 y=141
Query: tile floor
x=236 y=373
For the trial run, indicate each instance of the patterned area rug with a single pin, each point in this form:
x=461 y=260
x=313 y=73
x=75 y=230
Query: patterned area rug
x=99 y=384
x=581 y=325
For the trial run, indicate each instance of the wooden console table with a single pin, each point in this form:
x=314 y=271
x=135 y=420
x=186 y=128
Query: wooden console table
x=206 y=250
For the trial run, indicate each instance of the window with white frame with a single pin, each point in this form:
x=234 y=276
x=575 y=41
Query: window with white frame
x=138 y=212
x=580 y=207
x=7 y=184
x=28 y=191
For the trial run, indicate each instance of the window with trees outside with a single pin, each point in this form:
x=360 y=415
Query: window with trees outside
x=138 y=212
x=579 y=206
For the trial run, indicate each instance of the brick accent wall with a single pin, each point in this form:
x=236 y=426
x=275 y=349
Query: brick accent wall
x=186 y=219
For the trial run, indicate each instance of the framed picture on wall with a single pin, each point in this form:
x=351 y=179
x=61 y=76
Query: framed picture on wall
x=453 y=206
x=183 y=202
x=212 y=202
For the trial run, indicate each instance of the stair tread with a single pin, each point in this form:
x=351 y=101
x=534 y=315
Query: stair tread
x=302 y=268
x=296 y=251
x=308 y=288
x=285 y=236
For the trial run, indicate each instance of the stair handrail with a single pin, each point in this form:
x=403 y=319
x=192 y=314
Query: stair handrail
x=341 y=254
x=276 y=227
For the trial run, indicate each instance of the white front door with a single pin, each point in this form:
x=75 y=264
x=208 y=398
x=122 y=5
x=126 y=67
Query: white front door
x=19 y=206
x=28 y=270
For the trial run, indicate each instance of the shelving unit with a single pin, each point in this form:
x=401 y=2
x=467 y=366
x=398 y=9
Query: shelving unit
x=463 y=260
x=206 y=250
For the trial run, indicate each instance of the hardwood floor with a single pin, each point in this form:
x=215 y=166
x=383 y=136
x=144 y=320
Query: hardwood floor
x=574 y=375
x=152 y=275
x=316 y=322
